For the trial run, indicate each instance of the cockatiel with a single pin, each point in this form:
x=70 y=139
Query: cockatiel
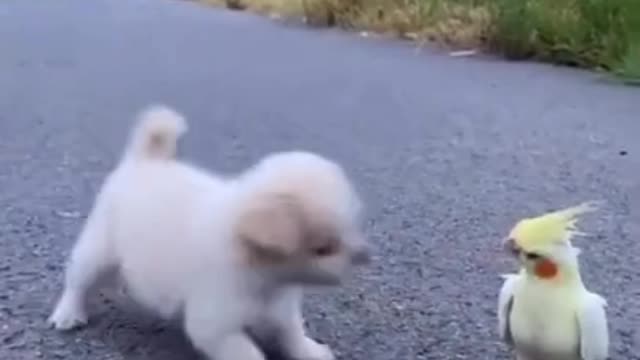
x=545 y=311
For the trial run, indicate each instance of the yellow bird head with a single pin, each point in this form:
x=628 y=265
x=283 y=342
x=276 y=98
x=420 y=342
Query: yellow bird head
x=539 y=233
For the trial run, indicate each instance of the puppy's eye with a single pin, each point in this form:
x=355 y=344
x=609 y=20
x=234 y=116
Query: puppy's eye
x=327 y=247
x=532 y=256
x=324 y=250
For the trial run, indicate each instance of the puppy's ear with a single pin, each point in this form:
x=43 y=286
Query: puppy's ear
x=271 y=229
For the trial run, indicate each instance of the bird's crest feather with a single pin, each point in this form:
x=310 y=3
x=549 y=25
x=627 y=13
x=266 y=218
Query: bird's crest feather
x=558 y=226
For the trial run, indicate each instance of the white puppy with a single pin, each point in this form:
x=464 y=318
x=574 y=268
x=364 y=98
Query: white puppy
x=228 y=256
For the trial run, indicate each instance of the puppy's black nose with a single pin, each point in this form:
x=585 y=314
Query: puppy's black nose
x=361 y=256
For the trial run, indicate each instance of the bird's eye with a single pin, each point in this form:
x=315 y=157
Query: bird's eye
x=532 y=256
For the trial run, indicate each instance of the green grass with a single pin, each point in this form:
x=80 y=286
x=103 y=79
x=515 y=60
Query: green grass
x=596 y=34
x=601 y=34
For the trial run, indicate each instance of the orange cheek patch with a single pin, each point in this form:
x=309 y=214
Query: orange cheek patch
x=546 y=269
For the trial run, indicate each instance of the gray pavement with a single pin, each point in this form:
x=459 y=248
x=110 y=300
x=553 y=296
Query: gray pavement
x=448 y=153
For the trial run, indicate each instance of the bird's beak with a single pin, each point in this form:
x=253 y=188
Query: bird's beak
x=509 y=245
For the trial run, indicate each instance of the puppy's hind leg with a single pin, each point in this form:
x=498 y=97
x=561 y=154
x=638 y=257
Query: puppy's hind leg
x=285 y=316
x=91 y=258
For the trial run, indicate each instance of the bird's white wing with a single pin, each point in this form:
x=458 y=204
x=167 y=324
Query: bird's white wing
x=505 y=302
x=594 y=333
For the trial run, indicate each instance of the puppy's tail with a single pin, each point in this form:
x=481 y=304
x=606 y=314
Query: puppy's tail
x=156 y=134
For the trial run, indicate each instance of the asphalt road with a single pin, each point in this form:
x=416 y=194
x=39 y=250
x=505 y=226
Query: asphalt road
x=448 y=153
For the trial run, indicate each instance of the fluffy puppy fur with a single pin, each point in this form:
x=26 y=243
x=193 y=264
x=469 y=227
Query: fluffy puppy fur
x=225 y=255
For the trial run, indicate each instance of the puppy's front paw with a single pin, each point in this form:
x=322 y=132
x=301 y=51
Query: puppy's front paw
x=310 y=349
x=68 y=315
